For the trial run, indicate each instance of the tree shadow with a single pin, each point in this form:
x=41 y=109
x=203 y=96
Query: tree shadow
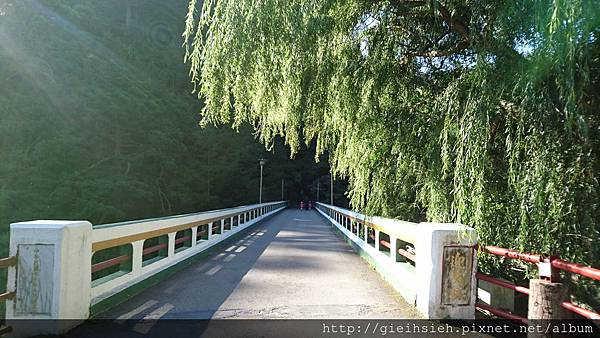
x=192 y=296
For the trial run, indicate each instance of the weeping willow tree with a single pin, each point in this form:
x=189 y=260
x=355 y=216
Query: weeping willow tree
x=479 y=112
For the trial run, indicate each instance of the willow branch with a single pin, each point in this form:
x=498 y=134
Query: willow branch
x=455 y=25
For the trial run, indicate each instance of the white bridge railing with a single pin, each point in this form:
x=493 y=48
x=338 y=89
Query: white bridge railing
x=65 y=267
x=432 y=265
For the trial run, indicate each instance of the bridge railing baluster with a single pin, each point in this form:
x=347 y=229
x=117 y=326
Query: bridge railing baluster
x=116 y=256
x=416 y=254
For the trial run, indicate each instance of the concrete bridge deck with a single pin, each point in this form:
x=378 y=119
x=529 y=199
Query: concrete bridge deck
x=292 y=266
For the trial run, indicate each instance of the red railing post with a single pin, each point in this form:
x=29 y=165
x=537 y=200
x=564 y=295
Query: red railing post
x=548 y=297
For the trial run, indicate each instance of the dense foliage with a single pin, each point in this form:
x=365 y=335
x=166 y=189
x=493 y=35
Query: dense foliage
x=97 y=121
x=479 y=112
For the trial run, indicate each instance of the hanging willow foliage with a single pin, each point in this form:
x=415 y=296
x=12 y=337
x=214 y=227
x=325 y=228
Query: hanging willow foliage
x=479 y=112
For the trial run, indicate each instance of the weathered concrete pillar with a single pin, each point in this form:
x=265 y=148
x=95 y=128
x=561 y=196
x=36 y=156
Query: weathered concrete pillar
x=52 y=277
x=445 y=270
x=545 y=299
x=544 y=304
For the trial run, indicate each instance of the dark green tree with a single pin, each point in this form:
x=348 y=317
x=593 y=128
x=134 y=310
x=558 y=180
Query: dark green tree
x=98 y=122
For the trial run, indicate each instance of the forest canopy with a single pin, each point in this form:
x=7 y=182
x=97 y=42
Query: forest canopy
x=478 y=112
x=97 y=120
x=98 y=123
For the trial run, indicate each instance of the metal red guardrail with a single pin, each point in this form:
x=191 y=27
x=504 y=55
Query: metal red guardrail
x=556 y=263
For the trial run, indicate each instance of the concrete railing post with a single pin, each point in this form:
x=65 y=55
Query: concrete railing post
x=52 y=277
x=194 y=236
x=394 y=254
x=137 y=253
x=445 y=270
x=171 y=244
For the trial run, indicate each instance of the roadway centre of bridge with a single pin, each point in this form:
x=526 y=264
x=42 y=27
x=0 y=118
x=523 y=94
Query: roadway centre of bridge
x=290 y=266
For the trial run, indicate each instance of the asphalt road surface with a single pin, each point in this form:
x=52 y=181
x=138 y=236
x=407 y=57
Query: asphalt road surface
x=290 y=266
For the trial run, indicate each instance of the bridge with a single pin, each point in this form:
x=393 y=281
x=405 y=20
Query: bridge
x=263 y=261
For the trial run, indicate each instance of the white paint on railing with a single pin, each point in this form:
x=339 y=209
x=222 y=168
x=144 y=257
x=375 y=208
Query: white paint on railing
x=117 y=230
x=140 y=273
x=442 y=283
x=54 y=269
x=405 y=231
x=401 y=273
